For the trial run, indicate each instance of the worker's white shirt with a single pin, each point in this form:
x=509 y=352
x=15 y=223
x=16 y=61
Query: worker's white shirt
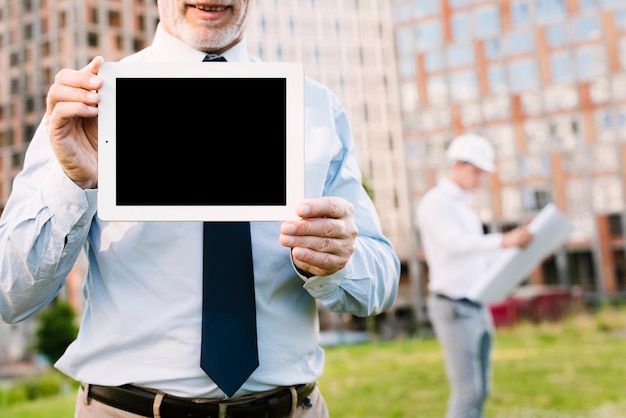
x=457 y=250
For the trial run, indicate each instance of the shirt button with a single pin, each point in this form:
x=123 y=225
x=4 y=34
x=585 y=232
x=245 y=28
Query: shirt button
x=74 y=207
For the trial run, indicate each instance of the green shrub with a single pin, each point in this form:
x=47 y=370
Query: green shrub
x=10 y=395
x=56 y=330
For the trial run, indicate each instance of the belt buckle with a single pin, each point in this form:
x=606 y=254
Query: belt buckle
x=222 y=411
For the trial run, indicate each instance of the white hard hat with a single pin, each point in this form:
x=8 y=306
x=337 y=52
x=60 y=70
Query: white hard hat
x=473 y=149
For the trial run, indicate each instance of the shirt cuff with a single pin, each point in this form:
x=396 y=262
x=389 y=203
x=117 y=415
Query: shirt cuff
x=70 y=204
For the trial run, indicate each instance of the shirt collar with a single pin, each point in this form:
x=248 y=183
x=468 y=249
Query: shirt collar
x=166 y=47
x=454 y=189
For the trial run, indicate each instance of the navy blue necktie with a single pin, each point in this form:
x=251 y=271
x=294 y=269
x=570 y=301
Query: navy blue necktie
x=229 y=351
x=213 y=58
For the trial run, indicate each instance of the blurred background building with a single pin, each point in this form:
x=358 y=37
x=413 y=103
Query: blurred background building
x=545 y=80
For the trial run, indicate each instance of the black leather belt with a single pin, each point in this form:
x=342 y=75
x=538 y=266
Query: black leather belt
x=138 y=401
x=462 y=300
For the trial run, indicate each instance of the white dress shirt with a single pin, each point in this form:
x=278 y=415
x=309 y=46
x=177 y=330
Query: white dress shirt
x=142 y=318
x=456 y=249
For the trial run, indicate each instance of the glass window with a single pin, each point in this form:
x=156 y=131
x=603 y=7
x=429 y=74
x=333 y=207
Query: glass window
x=508 y=169
x=604 y=125
x=437 y=90
x=263 y=25
x=600 y=90
x=611 y=4
x=537 y=135
x=549 y=10
x=428 y=35
x=436 y=118
x=406 y=66
x=434 y=61
x=471 y=114
x=115 y=18
x=587 y=4
x=460 y=55
x=291 y=25
x=458 y=3
x=523 y=75
x=400 y=11
x=279 y=52
x=534 y=165
x=404 y=41
x=502 y=137
x=590 y=62
x=463 y=86
x=620 y=20
x=496 y=77
x=557 y=35
x=519 y=43
x=342 y=83
x=560 y=97
x=535 y=198
x=564 y=130
x=510 y=196
x=620 y=121
x=586 y=28
x=520 y=13
x=409 y=97
x=618 y=86
x=28 y=31
x=497 y=108
x=487 y=21
x=610 y=125
x=622 y=52
x=493 y=49
x=607 y=194
x=561 y=67
x=461 y=26
x=422 y=8
x=92 y=39
x=412 y=149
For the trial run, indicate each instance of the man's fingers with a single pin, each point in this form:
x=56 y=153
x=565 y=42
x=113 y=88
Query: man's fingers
x=325 y=207
x=60 y=93
x=316 y=263
x=94 y=64
x=63 y=111
x=74 y=93
x=341 y=246
x=86 y=78
x=316 y=228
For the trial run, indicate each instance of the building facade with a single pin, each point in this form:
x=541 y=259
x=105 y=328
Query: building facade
x=545 y=81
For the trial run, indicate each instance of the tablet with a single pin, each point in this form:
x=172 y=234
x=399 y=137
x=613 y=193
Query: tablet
x=200 y=141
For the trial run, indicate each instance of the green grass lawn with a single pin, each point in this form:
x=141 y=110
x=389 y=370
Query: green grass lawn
x=572 y=369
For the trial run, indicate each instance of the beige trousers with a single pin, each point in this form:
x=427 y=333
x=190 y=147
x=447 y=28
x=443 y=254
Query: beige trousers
x=90 y=408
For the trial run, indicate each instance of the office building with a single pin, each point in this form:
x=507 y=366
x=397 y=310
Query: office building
x=545 y=81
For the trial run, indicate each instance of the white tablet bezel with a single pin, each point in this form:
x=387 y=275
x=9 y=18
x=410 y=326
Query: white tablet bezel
x=109 y=210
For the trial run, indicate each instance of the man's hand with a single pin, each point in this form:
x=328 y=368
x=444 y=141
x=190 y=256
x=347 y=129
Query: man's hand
x=322 y=241
x=72 y=123
x=518 y=237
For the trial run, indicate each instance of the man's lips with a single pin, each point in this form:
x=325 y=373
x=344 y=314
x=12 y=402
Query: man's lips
x=209 y=8
x=209 y=12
